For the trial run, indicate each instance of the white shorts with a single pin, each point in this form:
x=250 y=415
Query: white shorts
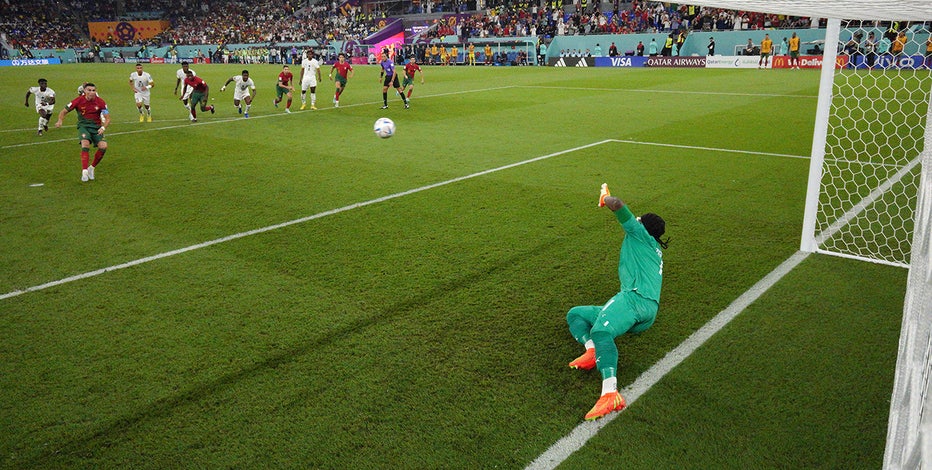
x=240 y=95
x=308 y=82
x=142 y=97
x=47 y=108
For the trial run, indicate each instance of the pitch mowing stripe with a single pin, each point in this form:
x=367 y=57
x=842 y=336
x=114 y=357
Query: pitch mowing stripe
x=572 y=442
x=678 y=92
x=269 y=228
x=189 y=125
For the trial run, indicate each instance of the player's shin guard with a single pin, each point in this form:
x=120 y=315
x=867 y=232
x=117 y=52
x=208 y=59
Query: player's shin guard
x=99 y=156
x=606 y=353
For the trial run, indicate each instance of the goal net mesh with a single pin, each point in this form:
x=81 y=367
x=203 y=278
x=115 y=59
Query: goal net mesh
x=870 y=193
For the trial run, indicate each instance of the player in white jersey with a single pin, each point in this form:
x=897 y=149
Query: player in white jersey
x=45 y=103
x=310 y=75
x=244 y=91
x=141 y=82
x=181 y=75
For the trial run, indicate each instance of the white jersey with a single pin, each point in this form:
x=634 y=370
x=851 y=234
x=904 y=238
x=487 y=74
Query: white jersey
x=44 y=99
x=310 y=67
x=242 y=87
x=141 y=82
x=181 y=76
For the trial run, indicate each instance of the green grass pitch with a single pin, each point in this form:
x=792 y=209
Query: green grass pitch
x=318 y=297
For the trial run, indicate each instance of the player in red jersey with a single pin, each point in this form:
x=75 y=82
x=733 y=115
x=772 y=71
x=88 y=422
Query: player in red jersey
x=198 y=95
x=93 y=119
x=344 y=72
x=411 y=68
x=284 y=87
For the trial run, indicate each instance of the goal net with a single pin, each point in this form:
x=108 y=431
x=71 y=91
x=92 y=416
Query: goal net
x=870 y=178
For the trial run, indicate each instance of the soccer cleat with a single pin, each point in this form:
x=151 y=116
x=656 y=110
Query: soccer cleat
x=604 y=194
x=142 y=118
x=313 y=107
x=607 y=403
x=39 y=132
x=193 y=119
x=584 y=362
x=45 y=127
x=287 y=110
x=84 y=175
x=275 y=102
x=90 y=173
x=212 y=110
x=239 y=110
x=407 y=105
x=336 y=104
x=385 y=107
x=149 y=118
x=303 y=106
x=246 y=115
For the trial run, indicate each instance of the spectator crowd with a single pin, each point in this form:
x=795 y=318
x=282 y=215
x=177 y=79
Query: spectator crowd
x=55 y=24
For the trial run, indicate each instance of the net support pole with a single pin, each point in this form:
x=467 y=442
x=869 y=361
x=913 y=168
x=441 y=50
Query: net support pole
x=833 y=30
x=910 y=404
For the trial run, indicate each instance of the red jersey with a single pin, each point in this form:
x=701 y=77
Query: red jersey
x=89 y=111
x=285 y=78
x=410 y=68
x=343 y=68
x=197 y=83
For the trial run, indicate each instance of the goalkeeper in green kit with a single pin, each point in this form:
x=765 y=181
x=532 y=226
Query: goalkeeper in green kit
x=632 y=310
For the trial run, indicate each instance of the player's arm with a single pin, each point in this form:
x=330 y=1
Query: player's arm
x=27 y=97
x=151 y=83
x=224 y=87
x=183 y=90
x=301 y=79
x=50 y=100
x=105 y=120
x=330 y=75
x=350 y=73
x=254 y=91
x=133 y=86
x=422 y=74
x=61 y=115
x=178 y=83
x=318 y=75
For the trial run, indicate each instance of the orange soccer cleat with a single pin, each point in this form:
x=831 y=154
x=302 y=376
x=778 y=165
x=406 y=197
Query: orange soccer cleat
x=586 y=361
x=607 y=403
x=604 y=194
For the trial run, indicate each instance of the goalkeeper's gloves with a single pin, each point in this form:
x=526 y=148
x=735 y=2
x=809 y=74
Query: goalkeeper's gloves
x=604 y=194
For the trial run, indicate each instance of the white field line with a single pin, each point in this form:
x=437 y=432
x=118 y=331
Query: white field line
x=269 y=228
x=187 y=124
x=677 y=92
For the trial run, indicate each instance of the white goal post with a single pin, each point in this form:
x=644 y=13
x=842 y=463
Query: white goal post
x=870 y=177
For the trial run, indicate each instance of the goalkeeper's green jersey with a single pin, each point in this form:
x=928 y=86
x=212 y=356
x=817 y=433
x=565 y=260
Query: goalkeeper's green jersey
x=640 y=265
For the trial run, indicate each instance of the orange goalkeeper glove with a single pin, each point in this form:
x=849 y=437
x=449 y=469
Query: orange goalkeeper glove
x=604 y=194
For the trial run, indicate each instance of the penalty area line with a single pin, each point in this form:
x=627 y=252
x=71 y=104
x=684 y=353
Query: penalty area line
x=575 y=440
x=270 y=228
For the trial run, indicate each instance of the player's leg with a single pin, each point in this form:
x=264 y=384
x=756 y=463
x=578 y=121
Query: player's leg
x=313 y=97
x=304 y=87
x=98 y=156
x=580 y=320
x=85 y=151
x=290 y=94
x=616 y=318
x=147 y=102
x=139 y=105
x=248 y=100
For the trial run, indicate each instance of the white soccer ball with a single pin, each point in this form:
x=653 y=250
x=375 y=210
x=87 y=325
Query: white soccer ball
x=384 y=128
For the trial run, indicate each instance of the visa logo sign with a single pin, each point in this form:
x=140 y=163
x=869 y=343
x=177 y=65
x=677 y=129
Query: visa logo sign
x=621 y=61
